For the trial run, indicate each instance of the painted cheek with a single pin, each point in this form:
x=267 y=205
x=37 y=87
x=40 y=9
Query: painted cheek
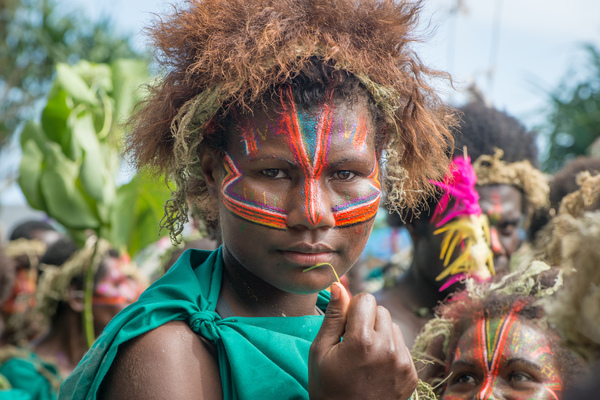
x=361 y=208
x=242 y=203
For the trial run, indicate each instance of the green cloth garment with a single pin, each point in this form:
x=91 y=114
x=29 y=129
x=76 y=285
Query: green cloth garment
x=29 y=376
x=14 y=394
x=259 y=358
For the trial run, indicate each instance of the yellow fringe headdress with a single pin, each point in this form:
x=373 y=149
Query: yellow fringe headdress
x=459 y=216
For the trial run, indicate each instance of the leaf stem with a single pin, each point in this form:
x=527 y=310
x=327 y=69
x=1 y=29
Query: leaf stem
x=320 y=265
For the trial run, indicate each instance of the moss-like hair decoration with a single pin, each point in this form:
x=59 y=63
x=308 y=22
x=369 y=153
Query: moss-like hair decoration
x=55 y=282
x=587 y=198
x=223 y=55
x=576 y=309
x=493 y=170
x=572 y=240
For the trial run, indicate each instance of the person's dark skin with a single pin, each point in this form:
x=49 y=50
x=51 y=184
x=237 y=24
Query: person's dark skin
x=416 y=292
x=504 y=206
x=65 y=342
x=263 y=276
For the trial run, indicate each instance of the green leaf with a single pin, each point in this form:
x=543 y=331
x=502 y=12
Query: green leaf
x=128 y=76
x=139 y=209
x=30 y=170
x=74 y=85
x=64 y=201
x=55 y=118
x=33 y=131
x=92 y=164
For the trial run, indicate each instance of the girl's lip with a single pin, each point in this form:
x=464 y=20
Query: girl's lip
x=307 y=259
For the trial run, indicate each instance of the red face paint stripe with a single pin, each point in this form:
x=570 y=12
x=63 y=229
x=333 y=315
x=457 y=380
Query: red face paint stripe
x=483 y=356
x=360 y=139
x=357 y=214
x=312 y=190
x=500 y=338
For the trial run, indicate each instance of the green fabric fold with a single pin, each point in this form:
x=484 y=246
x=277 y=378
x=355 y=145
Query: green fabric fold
x=258 y=357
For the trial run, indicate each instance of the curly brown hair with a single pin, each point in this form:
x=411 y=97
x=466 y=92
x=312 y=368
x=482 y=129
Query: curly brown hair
x=223 y=55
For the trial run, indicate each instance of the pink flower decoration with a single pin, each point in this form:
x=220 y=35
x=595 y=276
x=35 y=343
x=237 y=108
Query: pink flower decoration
x=459 y=184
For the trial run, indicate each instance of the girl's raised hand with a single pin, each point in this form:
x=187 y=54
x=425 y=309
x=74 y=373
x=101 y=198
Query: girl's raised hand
x=371 y=362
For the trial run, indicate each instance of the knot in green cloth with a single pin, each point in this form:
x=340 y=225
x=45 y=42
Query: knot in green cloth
x=205 y=323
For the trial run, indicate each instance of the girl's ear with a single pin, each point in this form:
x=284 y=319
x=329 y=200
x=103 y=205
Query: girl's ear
x=210 y=163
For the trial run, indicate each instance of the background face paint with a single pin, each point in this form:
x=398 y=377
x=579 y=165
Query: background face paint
x=308 y=135
x=504 y=358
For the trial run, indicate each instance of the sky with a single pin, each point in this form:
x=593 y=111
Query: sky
x=528 y=45
x=516 y=51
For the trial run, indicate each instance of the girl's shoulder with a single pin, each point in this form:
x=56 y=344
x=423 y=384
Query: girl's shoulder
x=170 y=361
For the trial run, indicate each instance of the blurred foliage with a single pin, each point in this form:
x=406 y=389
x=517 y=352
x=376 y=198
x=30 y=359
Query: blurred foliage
x=71 y=161
x=573 y=119
x=35 y=35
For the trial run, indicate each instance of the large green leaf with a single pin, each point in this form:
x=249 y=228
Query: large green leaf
x=128 y=76
x=92 y=170
x=65 y=203
x=33 y=131
x=139 y=209
x=30 y=170
x=68 y=79
x=55 y=118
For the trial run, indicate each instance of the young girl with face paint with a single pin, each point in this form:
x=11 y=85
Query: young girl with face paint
x=499 y=347
x=274 y=119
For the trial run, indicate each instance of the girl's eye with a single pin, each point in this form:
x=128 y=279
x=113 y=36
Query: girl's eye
x=518 y=376
x=274 y=173
x=465 y=379
x=344 y=175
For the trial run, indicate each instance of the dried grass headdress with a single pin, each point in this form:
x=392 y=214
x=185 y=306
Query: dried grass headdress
x=224 y=54
x=493 y=170
x=572 y=240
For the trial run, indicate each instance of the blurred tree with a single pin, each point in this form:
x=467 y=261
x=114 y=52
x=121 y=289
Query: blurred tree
x=573 y=120
x=34 y=37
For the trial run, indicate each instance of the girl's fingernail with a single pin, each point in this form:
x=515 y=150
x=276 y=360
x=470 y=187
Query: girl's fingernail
x=335 y=291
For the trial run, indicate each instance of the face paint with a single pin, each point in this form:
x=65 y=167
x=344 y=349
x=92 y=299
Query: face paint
x=23 y=293
x=495 y=211
x=503 y=358
x=116 y=288
x=308 y=138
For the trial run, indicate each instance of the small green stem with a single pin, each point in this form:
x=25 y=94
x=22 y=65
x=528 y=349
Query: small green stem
x=320 y=265
x=88 y=314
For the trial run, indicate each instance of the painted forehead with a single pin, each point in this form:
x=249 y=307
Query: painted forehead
x=314 y=138
x=494 y=341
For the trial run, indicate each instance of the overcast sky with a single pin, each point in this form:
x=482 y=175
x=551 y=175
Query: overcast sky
x=528 y=45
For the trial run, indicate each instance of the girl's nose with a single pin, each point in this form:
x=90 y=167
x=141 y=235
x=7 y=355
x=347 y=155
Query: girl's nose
x=311 y=208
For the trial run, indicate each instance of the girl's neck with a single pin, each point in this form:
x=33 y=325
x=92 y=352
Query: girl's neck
x=249 y=296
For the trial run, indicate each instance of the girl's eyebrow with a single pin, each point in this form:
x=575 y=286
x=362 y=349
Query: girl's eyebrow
x=346 y=160
x=523 y=361
x=462 y=363
x=271 y=158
